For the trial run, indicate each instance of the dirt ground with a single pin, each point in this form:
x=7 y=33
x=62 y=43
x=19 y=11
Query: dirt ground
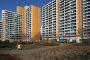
x=61 y=52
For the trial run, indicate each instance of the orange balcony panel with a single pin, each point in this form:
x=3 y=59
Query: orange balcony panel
x=35 y=24
x=79 y=17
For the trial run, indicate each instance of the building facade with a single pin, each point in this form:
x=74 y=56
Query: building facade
x=12 y=29
x=50 y=20
x=21 y=10
x=71 y=18
x=64 y=19
x=31 y=23
x=1 y=31
x=86 y=19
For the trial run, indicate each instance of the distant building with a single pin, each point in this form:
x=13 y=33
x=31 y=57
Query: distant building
x=21 y=10
x=1 y=31
x=30 y=22
x=11 y=23
x=41 y=36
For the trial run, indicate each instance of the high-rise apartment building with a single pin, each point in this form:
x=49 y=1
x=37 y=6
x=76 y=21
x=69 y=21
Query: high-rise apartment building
x=31 y=22
x=21 y=10
x=86 y=19
x=12 y=29
x=1 y=31
x=71 y=18
x=51 y=20
x=63 y=19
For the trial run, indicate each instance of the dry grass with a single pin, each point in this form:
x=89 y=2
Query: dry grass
x=69 y=52
x=62 y=52
x=9 y=57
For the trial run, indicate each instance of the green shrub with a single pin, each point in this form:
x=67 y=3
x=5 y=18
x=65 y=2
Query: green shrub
x=8 y=45
x=47 y=43
x=63 y=41
x=85 y=41
x=74 y=41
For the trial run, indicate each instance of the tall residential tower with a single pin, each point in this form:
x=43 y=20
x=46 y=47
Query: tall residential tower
x=71 y=18
x=11 y=23
x=64 y=19
x=31 y=22
x=21 y=10
x=51 y=20
x=86 y=19
x=0 y=31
